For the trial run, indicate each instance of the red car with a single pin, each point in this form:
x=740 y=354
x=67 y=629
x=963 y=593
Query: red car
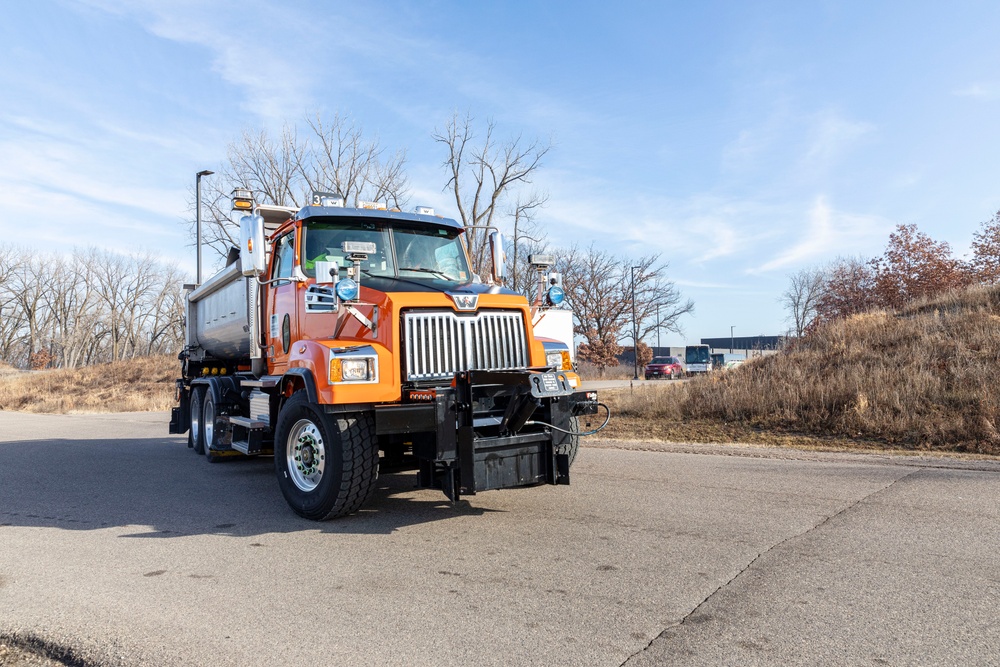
x=664 y=367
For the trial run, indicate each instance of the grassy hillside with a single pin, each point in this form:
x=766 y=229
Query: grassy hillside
x=923 y=378
x=126 y=386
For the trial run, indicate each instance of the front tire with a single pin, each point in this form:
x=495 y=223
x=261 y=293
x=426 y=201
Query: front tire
x=572 y=442
x=326 y=464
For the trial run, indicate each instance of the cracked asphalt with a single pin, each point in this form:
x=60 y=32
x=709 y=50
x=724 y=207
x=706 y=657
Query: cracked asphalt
x=119 y=546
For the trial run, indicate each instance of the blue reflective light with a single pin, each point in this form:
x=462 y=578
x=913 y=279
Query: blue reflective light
x=347 y=290
x=556 y=295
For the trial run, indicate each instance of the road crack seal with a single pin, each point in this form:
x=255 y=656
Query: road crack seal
x=693 y=616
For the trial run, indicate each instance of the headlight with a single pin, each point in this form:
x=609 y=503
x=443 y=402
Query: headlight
x=559 y=359
x=556 y=295
x=347 y=290
x=352 y=369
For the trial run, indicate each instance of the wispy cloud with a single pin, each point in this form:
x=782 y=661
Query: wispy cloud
x=832 y=135
x=268 y=75
x=74 y=170
x=980 y=90
x=704 y=285
x=828 y=233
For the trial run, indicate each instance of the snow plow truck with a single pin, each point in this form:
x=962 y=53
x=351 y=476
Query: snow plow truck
x=341 y=340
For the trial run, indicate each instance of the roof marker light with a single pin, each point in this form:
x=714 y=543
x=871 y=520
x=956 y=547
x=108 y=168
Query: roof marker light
x=242 y=199
x=334 y=199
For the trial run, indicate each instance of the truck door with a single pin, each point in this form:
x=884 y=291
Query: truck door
x=282 y=319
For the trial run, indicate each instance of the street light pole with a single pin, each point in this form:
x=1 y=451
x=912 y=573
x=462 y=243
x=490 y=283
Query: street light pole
x=197 y=217
x=731 y=338
x=658 y=328
x=635 y=331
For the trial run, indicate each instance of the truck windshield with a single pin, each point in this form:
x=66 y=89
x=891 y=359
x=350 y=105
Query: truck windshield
x=414 y=252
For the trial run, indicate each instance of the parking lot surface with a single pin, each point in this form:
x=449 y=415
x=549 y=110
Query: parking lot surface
x=120 y=544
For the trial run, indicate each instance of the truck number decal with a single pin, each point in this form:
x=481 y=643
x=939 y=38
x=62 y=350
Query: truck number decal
x=274 y=326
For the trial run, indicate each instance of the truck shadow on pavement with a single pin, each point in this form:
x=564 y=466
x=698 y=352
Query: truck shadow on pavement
x=163 y=489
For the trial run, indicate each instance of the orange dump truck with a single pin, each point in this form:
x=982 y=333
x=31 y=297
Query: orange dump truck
x=341 y=340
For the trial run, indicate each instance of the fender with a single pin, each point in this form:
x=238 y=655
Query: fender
x=310 y=361
x=219 y=385
x=308 y=381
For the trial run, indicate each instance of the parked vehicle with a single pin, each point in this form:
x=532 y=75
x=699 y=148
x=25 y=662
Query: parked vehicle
x=718 y=361
x=336 y=334
x=664 y=367
x=697 y=360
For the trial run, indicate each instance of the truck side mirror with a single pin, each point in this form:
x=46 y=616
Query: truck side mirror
x=252 y=248
x=327 y=273
x=499 y=256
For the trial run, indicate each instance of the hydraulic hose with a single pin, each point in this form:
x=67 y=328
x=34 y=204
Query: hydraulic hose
x=562 y=430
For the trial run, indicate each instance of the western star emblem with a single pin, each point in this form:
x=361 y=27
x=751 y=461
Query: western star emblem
x=465 y=301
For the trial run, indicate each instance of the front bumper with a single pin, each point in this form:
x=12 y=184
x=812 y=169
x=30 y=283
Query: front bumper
x=490 y=430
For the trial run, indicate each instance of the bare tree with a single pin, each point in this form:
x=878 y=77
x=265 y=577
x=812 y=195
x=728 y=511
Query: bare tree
x=11 y=317
x=802 y=296
x=332 y=156
x=484 y=176
x=526 y=239
x=85 y=308
x=272 y=168
x=74 y=307
x=341 y=159
x=29 y=281
x=600 y=288
x=162 y=323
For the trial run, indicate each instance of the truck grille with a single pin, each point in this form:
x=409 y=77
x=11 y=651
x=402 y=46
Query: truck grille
x=439 y=344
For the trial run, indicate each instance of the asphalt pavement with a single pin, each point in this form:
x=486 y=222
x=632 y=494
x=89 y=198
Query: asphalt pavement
x=121 y=545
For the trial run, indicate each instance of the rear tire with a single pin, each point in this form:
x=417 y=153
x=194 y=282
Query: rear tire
x=212 y=428
x=197 y=432
x=326 y=464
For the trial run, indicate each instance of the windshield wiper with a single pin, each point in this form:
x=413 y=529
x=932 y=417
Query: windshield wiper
x=423 y=270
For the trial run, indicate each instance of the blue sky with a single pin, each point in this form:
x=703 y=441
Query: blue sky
x=743 y=141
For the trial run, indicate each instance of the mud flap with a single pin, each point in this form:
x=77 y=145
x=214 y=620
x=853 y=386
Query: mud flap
x=180 y=417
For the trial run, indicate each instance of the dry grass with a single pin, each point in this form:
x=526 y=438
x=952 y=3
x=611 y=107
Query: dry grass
x=140 y=385
x=589 y=371
x=921 y=379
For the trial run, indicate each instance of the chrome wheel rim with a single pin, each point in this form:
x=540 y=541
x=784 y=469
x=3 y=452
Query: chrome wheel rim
x=195 y=423
x=209 y=418
x=305 y=455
